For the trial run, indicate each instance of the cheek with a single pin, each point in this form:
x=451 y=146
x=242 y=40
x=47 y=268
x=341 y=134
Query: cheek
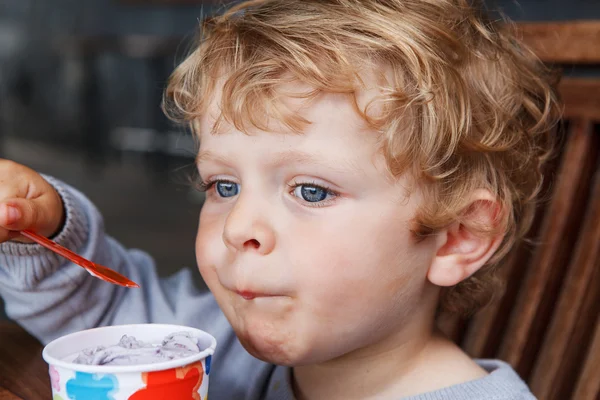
x=349 y=268
x=350 y=250
x=209 y=246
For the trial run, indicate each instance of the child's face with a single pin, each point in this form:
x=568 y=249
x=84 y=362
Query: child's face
x=306 y=274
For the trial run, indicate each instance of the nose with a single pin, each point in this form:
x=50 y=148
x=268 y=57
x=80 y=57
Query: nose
x=246 y=229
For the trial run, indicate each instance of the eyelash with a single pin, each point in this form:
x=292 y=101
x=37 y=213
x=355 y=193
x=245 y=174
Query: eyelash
x=205 y=186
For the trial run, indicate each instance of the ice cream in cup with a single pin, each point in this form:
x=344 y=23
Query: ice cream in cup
x=134 y=362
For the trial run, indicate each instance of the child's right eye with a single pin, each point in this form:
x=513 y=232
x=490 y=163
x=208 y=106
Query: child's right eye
x=223 y=188
x=227 y=188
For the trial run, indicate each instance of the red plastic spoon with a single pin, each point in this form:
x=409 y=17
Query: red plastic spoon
x=97 y=270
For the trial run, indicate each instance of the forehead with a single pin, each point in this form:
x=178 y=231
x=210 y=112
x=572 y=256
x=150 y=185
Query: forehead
x=334 y=126
x=291 y=96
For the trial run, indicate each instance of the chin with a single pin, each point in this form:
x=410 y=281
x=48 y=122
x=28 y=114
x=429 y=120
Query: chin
x=275 y=344
x=269 y=344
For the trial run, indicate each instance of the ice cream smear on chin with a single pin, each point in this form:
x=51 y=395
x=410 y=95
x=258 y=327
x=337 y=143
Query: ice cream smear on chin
x=130 y=351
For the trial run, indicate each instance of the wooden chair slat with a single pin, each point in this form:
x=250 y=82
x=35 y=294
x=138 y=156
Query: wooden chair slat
x=578 y=346
x=581 y=98
x=588 y=384
x=576 y=42
x=547 y=375
x=559 y=229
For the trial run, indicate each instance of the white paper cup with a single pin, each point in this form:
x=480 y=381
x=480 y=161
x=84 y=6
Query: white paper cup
x=180 y=379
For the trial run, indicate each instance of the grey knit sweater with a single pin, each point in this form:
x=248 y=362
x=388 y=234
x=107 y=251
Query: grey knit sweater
x=51 y=297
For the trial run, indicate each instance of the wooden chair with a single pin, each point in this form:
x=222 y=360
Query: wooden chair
x=547 y=324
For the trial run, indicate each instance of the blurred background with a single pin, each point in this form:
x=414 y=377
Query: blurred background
x=80 y=88
x=80 y=91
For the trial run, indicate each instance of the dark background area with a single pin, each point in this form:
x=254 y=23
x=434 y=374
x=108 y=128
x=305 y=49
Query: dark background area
x=80 y=88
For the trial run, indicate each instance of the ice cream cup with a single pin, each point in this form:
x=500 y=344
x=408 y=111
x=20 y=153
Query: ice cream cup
x=179 y=379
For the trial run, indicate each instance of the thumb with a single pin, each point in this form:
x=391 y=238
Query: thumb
x=18 y=214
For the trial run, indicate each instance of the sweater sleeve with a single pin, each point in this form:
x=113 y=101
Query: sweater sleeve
x=50 y=296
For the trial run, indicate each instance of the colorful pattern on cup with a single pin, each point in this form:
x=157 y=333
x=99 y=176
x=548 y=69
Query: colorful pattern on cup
x=189 y=382
x=178 y=383
x=208 y=361
x=54 y=379
x=92 y=386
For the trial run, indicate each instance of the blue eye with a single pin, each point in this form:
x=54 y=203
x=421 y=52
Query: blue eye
x=227 y=189
x=311 y=193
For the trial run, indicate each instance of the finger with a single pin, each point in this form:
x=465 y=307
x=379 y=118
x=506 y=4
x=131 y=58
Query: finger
x=18 y=214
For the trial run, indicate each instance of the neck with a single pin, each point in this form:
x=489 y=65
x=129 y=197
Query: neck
x=410 y=362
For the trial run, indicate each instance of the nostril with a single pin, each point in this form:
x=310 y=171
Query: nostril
x=252 y=243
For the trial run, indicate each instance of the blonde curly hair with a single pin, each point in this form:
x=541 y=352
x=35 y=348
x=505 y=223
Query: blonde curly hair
x=467 y=105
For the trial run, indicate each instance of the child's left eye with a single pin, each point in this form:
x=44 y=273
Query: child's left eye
x=312 y=193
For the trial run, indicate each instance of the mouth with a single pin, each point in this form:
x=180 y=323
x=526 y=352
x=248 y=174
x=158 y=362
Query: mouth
x=249 y=295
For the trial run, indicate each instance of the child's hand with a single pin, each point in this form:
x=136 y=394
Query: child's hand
x=27 y=201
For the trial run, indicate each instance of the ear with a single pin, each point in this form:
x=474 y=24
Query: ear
x=462 y=251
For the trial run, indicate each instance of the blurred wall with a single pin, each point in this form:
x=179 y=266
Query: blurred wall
x=100 y=17
x=548 y=10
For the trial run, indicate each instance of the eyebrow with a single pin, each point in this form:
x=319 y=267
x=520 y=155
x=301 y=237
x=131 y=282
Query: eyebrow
x=288 y=157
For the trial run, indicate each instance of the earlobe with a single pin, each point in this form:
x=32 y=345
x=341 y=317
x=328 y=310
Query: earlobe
x=461 y=251
x=445 y=269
